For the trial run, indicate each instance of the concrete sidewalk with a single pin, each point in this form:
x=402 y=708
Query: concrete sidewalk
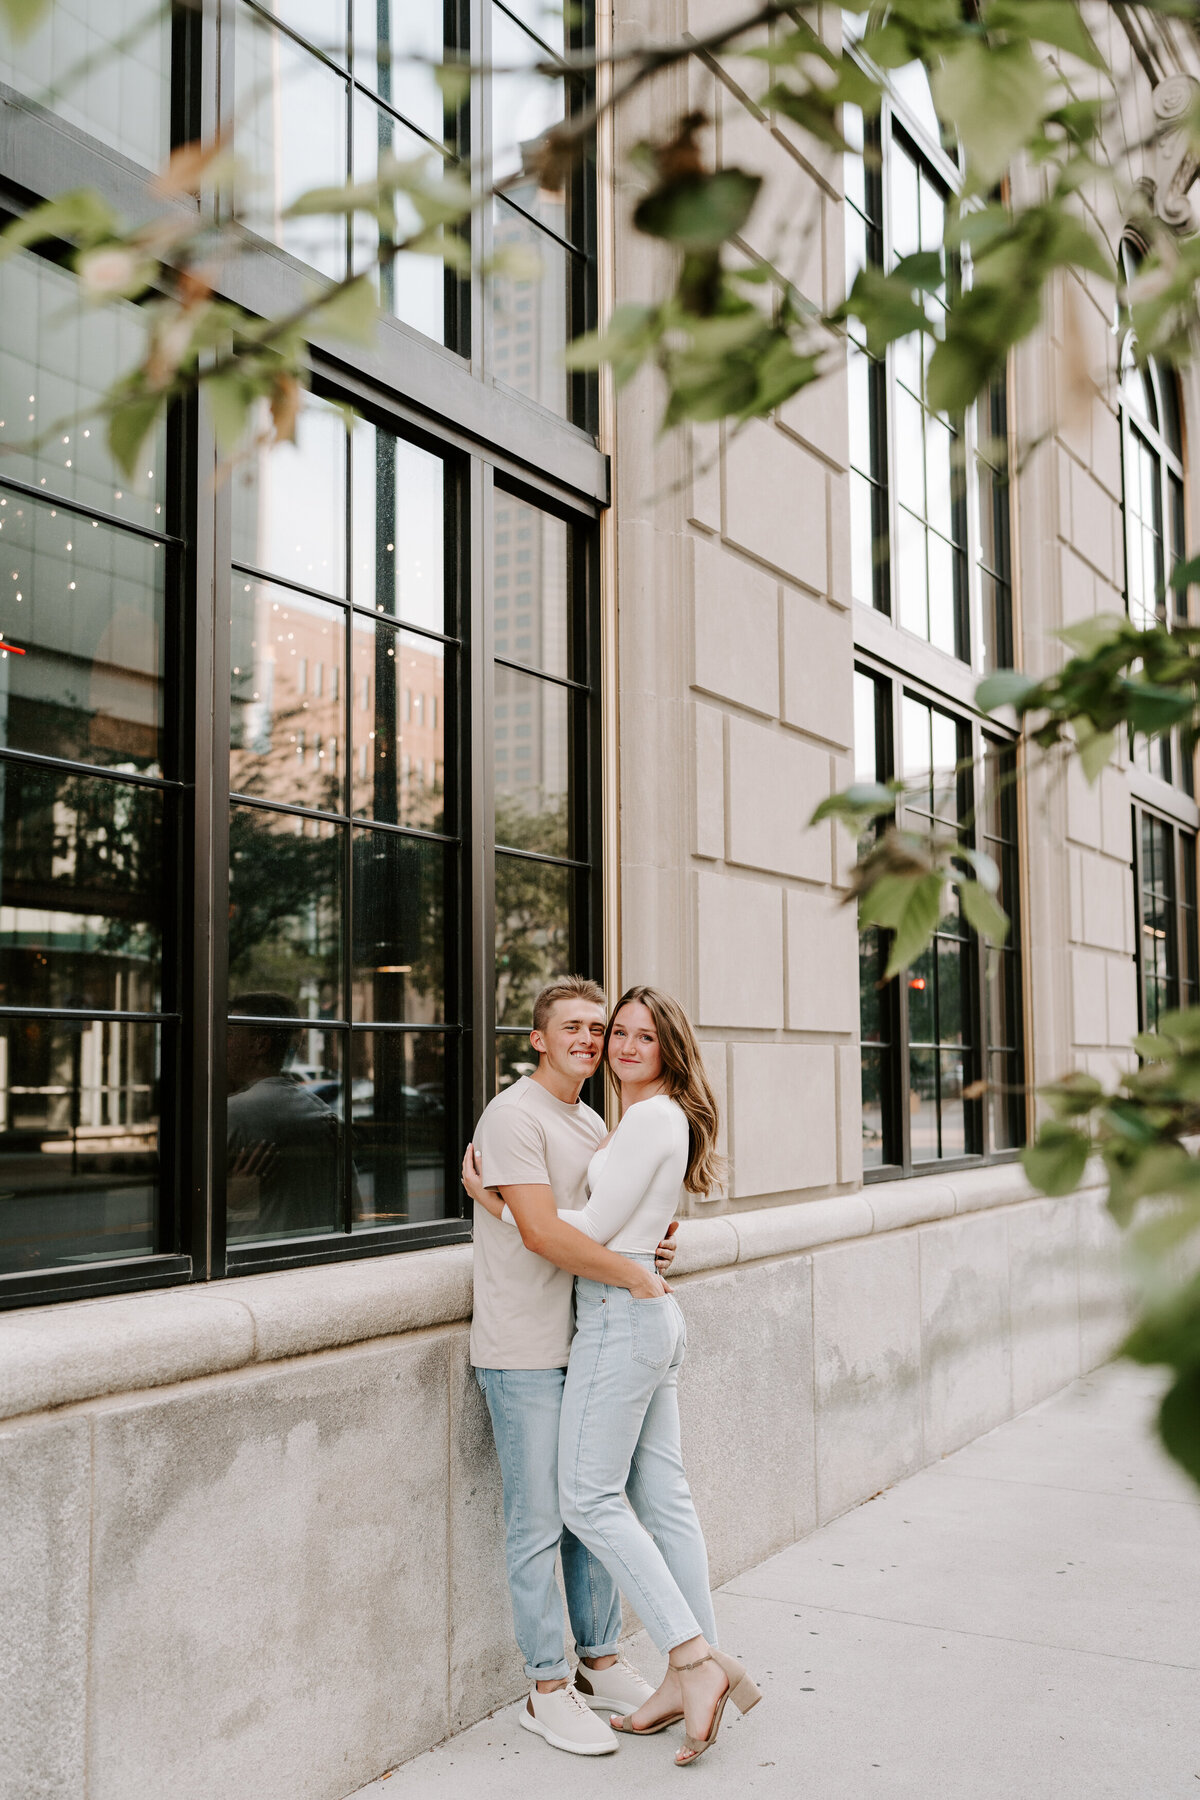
x=1021 y=1622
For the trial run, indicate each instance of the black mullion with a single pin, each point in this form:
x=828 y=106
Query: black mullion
x=271 y=22
x=347 y=831
x=551 y=54
x=64 y=765
x=554 y=862
x=1139 y=926
x=576 y=251
x=903 y=1085
x=401 y=624
x=260 y=804
x=50 y=497
x=88 y=1014
x=562 y=681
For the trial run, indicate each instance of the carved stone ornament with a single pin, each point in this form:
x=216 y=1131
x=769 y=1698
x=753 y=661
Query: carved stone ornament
x=1176 y=162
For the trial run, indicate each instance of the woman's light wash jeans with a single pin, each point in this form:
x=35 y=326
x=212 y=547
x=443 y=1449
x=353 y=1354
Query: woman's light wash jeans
x=620 y=1434
x=524 y=1405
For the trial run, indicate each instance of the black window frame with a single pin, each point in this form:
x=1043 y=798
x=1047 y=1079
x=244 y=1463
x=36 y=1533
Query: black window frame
x=977 y=742
x=1177 y=883
x=442 y=398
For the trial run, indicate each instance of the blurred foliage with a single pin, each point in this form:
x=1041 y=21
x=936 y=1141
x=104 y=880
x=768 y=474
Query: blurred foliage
x=1015 y=82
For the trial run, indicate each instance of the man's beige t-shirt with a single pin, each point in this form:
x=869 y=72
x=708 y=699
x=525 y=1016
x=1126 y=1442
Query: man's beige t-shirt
x=524 y=1306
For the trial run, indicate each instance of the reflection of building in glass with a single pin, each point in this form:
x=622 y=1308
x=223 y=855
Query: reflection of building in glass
x=529 y=317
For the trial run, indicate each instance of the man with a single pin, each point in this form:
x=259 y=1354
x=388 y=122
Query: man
x=534 y=1143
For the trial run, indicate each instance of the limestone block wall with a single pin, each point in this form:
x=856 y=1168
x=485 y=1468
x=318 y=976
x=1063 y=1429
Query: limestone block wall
x=253 y=1536
x=734 y=634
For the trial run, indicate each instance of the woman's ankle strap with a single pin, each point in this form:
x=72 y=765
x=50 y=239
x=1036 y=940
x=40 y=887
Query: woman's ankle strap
x=682 y=1668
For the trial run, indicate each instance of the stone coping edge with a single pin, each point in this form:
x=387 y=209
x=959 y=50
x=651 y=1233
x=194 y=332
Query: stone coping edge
x=85 y=1349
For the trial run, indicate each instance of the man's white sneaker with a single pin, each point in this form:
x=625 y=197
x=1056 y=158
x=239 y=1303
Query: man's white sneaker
x=563 y=1719
x=617 y=1689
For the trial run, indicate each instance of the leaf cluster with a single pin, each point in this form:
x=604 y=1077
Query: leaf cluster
x=1144 y=1132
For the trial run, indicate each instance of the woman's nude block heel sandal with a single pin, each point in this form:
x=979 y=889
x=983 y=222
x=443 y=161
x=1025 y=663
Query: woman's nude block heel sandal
x=741 y=1690
x=622 y=1725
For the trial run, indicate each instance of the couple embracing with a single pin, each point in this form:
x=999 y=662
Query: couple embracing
x=577 y=1343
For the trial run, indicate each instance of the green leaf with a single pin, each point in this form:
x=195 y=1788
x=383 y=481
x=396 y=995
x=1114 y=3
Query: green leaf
x=1054 y=22
x=1056 y=1161
x=910 y=907
x=994 y=96
x=351 y=313
x=129 y=425
x=885 y=307
x=1182 y=1026
x=1179 y=1415
x=80 y=215
x=454 y=79
x=1185 y=573
x=699 y=212
x=864 y=800
x=23 y=16
x=1095 y=634
x=983 y=911
x=1095 y=748
x=1007 y=687
x=1152 y=1047
x=230 y=398
x=1170 y=1332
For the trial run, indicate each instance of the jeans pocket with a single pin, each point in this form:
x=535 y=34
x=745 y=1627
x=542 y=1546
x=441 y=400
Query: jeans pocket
x=652 y=1331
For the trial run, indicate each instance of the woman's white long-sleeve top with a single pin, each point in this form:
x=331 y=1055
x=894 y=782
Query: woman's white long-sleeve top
x=635 y=1179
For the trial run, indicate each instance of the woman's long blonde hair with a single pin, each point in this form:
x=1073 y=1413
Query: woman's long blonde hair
x=685 y=1080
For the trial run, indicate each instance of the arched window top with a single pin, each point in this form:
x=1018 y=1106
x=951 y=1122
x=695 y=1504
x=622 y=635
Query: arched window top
x=1149 y=391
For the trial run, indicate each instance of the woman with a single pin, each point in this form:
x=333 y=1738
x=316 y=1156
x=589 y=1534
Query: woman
x=620 y=1415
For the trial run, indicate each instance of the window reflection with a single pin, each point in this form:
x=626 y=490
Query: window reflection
x=530 y=311
x=287 y=683
x=399 y=1114
x=532 y=584
x=290 y=134
x=398 y=552
x=79 y=1161
x=394 y=46
x=525 y=104
x=533 y=933
x=532 y=767
x=289 y=504
x=411 y=287
x=285 y=908
x=399 y=928
x=81 y=891
x=123 y=98
x=399 y=724
x=81 y=638
x=284 y=1170
x=57 y=360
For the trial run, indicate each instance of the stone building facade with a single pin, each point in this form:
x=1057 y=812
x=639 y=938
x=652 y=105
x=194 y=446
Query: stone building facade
x=252 y=1520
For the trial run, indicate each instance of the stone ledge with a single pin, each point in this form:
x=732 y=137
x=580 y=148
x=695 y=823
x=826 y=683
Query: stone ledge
x=58 y=1355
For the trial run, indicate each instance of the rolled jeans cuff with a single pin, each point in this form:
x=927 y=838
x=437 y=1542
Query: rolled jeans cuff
x=599 y=1650
x=559 y=1671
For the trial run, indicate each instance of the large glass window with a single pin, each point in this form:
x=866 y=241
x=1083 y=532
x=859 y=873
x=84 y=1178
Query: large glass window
x=320 y=96
x=297 y=755
x=90 y=780
x=543 y=723
x=1152 y=447
x=344 y=856
x=923 y=551
x=954 y=1017
x=541 y=295
x=104 y=66
x=1165 y=904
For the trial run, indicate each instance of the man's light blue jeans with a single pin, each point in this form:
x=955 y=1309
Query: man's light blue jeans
x=620 y=1434
x=524 y=1405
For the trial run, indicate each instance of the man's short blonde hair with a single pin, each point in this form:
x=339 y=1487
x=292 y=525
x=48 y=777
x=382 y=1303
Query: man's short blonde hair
x=569 y=987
